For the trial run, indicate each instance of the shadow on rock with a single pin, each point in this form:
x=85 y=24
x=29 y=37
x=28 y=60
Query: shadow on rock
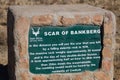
x=3 y=72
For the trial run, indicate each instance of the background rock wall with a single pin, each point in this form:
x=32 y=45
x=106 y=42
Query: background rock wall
x=113 y=5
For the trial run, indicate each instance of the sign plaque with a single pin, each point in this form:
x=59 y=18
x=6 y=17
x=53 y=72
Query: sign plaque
x=69 y=49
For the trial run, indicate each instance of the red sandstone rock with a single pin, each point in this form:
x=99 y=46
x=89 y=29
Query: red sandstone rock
x=42 y=20
x=97 y=19
x=107 y=53
x=106 y=65
x=39 y=78
x=101 y=76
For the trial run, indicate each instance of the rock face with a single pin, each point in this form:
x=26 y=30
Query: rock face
x=3 y=45
x=21 y=17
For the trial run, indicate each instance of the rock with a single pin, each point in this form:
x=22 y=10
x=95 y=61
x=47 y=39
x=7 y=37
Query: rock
x=3 y=45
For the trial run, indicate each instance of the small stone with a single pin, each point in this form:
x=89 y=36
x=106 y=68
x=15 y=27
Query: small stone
x=97 y=19
x=85 y=20
x=42 y=20
x=54 y=77
x=25 y=76
x=106 y=65
x=108 y=17
x=78 y=77
x=77 y=17
x=108 y=28
x=20 y=30
x=106 y=53
x=59 y=22
x=87 y=75
x=107 y=42
x=22 y=48
x=23 y=63
x=39 y=78
x=101 y=76
x=65 y=21
x=65 y=77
